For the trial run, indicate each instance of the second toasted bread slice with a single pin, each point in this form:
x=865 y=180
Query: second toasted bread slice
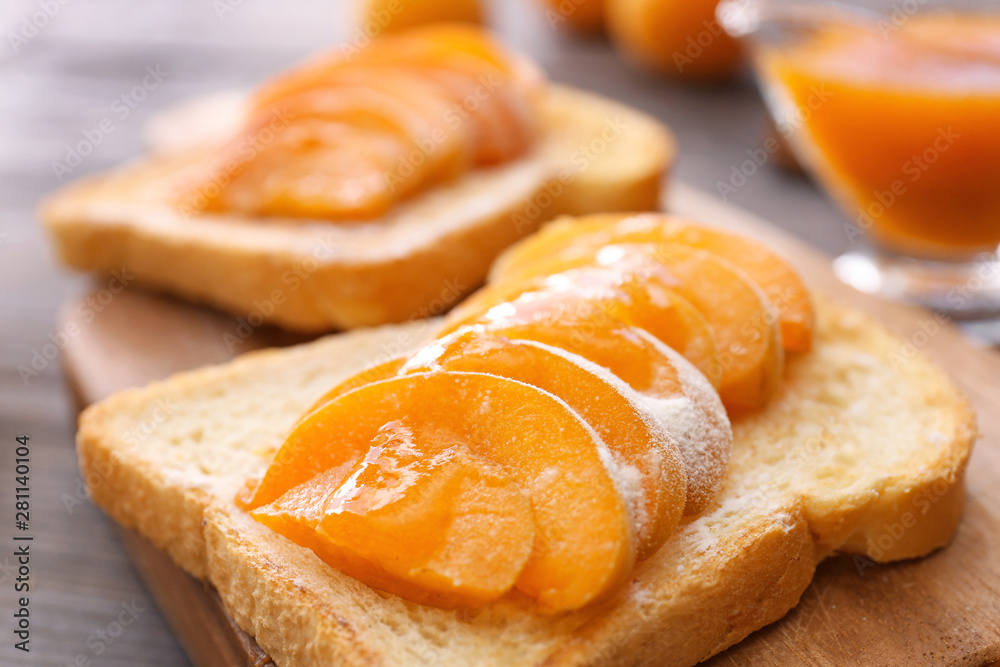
x=314 y=276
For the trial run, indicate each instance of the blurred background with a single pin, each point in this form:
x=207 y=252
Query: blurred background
x=69 y=71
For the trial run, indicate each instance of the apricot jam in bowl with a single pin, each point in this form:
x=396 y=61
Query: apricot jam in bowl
x=894 y=107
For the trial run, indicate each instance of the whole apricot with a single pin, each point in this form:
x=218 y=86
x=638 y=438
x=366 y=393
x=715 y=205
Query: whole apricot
x=392 y=15
x=680 y=38
x=583 y=16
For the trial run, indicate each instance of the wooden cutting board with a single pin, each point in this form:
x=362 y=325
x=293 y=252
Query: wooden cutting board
x=939 y=610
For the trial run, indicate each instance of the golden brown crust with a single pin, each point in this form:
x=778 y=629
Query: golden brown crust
x=318 y=276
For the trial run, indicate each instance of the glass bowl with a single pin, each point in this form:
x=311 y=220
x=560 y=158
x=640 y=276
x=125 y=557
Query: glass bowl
x=894 y=108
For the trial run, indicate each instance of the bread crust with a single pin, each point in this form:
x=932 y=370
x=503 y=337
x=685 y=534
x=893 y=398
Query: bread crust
x=733 y=569
x=316 y=276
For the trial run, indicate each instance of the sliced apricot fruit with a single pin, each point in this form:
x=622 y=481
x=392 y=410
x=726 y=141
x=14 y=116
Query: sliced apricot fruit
x=569 y=237
x=595 y=294
x=348 y=136
x=659 y=374
x=612 y=409
x=447 y=528
x=381 y=371
x=744 y=324
x=401 y=100
x=454 y=46
x=584 y=544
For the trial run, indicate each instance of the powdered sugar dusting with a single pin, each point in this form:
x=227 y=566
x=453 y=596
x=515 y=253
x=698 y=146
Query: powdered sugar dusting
x=698 y=422
x=630 y=476
x=623 y=476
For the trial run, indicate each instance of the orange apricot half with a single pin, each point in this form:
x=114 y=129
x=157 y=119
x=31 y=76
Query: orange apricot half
x=381 y=371
x=584 y=543
x=614 y=410
x=350 y=135
x=682 y=399
x=568 y=237
x=448 y=528
x=453 y=46
x=595 y=295
x=744 y=324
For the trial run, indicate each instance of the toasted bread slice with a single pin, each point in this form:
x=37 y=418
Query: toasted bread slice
x=848 y=446
x=314 y=276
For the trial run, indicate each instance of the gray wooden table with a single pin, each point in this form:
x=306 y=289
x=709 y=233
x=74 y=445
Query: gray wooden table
x=61 y=81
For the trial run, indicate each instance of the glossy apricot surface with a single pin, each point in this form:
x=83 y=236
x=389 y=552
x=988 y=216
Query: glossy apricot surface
x=584 y=542
x=444 y=528
x=594 y=295
x=630 y=432
x=571 y=237
x=349 y=135
x=744 y=324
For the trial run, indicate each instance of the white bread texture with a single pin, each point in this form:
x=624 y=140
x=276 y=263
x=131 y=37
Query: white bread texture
x=316 y=276
x=848 y=447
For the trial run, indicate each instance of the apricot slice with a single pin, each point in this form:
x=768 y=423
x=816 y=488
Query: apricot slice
x=297 y=175
x=612 y=409
x=349 y=136
x=658 y=373
x=595 y=295
x=483 y=79
x=680 y=396
x=455 y=47
x=413 y=105
x=584 y=538
x=741 y=319
x=446 y=528
x=381 y=371
x=296 y=170
x=488 y=117
x=569 y=237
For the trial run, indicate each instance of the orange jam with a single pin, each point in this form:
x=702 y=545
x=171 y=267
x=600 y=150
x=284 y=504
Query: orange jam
x=903 y=126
